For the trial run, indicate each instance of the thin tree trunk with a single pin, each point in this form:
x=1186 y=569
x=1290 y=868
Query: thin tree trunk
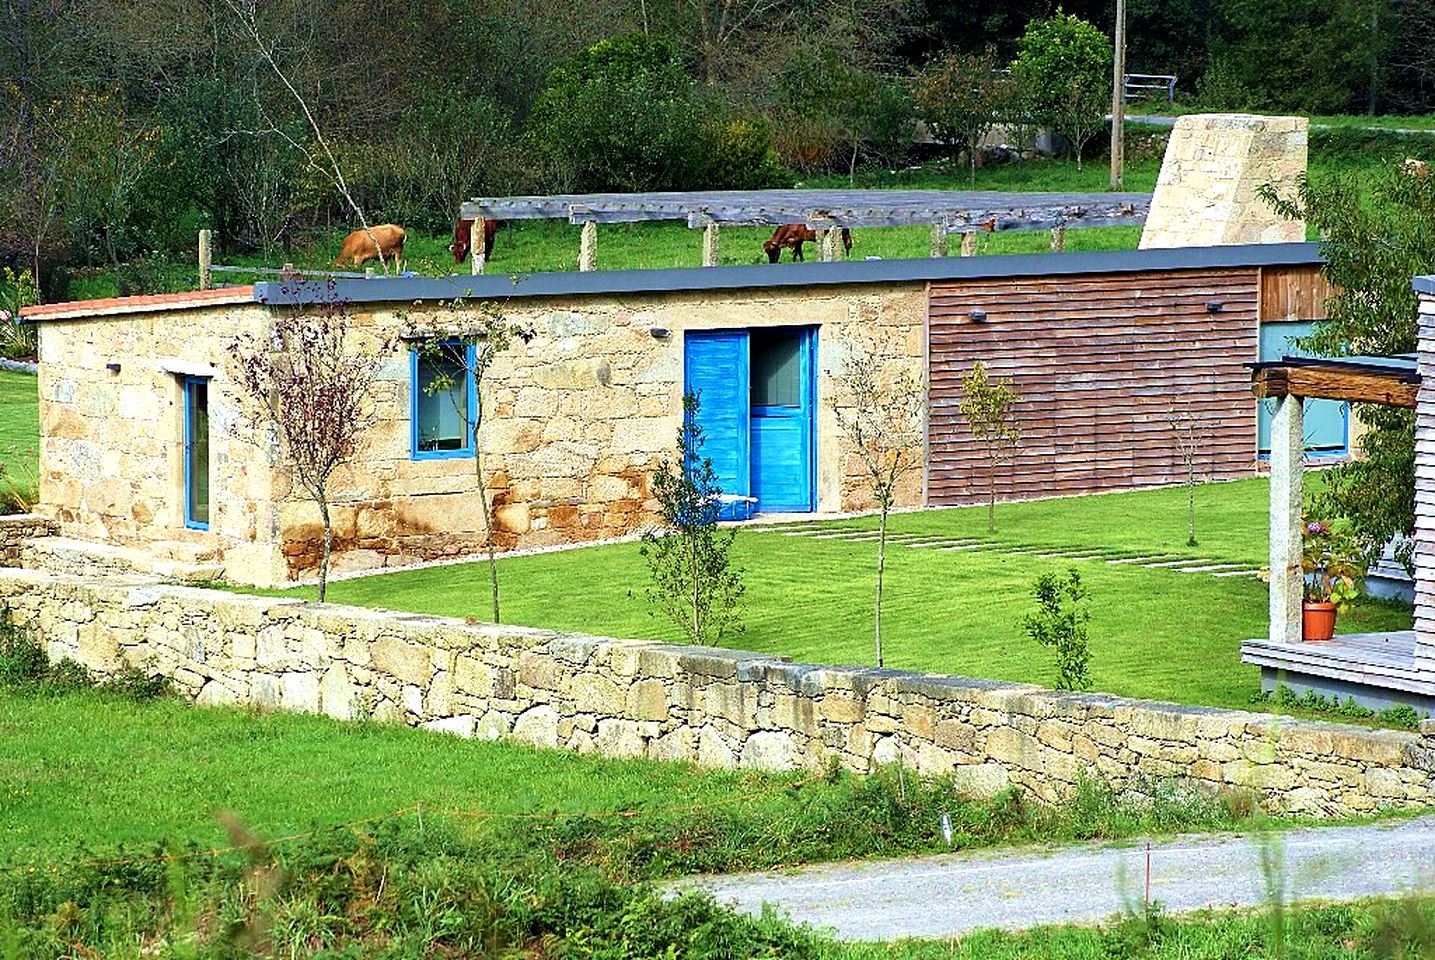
x=992 y=498
x=327 y=549
x=1190 y=504
x=881 y=564
x=487 y=525
x=693 y=568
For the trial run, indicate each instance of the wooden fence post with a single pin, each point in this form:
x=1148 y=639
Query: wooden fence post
x=710 y=244
x=939 y=240
x=206 y=259
x=588 y=246
x=969 y=243
x=1058 y=238
x=476 y=232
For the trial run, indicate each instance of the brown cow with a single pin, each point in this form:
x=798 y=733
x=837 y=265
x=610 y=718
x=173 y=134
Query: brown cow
x=358 y=247
x=463 y=229
x=793 y=236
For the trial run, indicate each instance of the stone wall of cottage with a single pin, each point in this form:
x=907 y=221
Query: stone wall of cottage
x=112 y=437
x=577 y=419
x=719 y=708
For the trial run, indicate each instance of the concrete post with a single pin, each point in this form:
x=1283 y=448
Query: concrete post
x=969 y=244
x=476 y=232
x=1058 y=238
x=710 y=244
x=939 y=240
x=828 y=241
x=206 y=259
x=1287 y=578
x=588 y=246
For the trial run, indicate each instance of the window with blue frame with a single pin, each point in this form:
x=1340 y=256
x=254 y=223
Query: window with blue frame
x=444 y=403
x=1326 y=422
x=196 y=453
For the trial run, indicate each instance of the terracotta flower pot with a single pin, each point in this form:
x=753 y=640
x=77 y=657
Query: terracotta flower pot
x=1318 y=620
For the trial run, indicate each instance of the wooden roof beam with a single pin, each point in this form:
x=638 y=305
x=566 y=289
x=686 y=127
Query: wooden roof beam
x=1335 y=382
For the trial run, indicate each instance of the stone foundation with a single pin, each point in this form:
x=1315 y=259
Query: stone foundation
x=1206 y=194
x=720 y=708
x=15 y=529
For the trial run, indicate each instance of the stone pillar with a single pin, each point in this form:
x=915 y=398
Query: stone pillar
x=969 y=244
x=710 y=244
x=831 y=243
x=206 y=255
x=1058 y=238
x=1206 y=194
x=1287 y=466
x=939 y=240
x=588 y=246
x=476 y=232
x=1425 y=482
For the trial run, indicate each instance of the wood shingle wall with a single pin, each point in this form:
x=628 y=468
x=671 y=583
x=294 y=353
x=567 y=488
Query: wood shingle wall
x=1099 y=361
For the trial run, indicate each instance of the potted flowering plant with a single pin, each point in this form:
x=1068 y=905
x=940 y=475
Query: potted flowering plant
x=1333 y=564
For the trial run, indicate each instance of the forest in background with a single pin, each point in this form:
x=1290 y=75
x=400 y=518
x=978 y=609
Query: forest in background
x=126 y=126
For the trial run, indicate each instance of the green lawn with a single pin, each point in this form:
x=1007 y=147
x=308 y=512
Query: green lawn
x=19 y=435
x=1154 y=633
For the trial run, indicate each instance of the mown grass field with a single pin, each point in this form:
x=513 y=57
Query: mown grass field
x=1155 y=633
x=19 y=437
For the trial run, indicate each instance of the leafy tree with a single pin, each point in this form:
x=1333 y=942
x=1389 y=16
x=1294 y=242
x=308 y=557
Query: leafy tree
x=961 y=96
x=622 y=115
x=883 y=422
x=306 y=387
x=1060 y=623
x=1064 y=64
x=469 y=345
x=989 y=408
x=694 y=583
x=1375 y=237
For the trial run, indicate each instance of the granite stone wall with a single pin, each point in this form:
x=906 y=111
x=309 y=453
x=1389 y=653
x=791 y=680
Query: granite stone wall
x=15 y=529
x=1215 y=164
x=720 y=708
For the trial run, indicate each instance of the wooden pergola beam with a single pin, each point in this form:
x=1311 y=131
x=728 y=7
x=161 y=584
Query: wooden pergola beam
x=1313 y=381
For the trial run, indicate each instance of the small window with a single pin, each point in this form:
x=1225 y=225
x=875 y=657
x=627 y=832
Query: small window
x=443 y=402
x=776 y=369
x=196 y=453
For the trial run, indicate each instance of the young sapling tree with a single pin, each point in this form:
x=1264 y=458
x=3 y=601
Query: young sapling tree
x=1190 y=434
x=305 y=387
x=694 y=583
x=989 y=406
x=883 y=422
x=459 y=360
x=1060 y=623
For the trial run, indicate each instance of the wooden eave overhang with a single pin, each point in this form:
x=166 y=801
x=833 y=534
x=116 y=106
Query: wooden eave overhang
x=1393 y=381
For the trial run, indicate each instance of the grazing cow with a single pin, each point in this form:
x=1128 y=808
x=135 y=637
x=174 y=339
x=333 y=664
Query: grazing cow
x=461 y=232
x=358 y=247
x=793 y=236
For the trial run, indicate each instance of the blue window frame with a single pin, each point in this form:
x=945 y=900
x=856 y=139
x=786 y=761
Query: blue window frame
x=196 y=453
x=1326 y=422
x=443 y=402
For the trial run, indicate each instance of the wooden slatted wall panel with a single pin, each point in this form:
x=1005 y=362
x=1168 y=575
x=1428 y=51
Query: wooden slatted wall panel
x=1294 y=293
x=1098 y=361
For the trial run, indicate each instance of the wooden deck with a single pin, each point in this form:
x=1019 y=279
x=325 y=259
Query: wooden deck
x=1377 y=669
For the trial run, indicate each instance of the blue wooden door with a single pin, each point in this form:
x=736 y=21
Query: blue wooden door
x=1327 y=422
x=783 y=399
x=715 y=368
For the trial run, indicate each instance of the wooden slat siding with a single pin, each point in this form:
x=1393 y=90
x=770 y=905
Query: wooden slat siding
x=1425 y=494
x=1098 y=362
x=1294 y=293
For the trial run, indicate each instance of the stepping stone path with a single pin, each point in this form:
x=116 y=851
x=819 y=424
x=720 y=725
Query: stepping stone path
x=1207 y=566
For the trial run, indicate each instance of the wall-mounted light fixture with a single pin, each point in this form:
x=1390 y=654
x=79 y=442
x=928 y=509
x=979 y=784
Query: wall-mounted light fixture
x=660 y=333
x=978 y=316
x=1214 y=306
x=113 y=366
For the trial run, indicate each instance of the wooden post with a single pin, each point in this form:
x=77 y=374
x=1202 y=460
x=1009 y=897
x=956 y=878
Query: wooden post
x=1118 y=100
x=206 y=259
x=1287 y=577
x=969 y=243
x=588 y=246
x=939 y=240
x=1058 y=238
x=710 y=244
x=476 y=233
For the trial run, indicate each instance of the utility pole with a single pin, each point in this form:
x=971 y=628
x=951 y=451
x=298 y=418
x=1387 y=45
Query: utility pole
x=1118 y=100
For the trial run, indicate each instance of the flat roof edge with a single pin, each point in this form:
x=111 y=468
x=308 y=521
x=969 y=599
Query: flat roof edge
x=685 y=279
x=1424 y=284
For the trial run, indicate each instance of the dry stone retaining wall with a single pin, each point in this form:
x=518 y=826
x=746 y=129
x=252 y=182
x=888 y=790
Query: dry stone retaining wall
x=721 y=708
x=15 y=529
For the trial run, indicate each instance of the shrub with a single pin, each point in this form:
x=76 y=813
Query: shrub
x=17 y=290
x=805 y=142
x=1064 y=65
x=622 y=115
x=961 y=96
x=1060 y=623
x=738 y=155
